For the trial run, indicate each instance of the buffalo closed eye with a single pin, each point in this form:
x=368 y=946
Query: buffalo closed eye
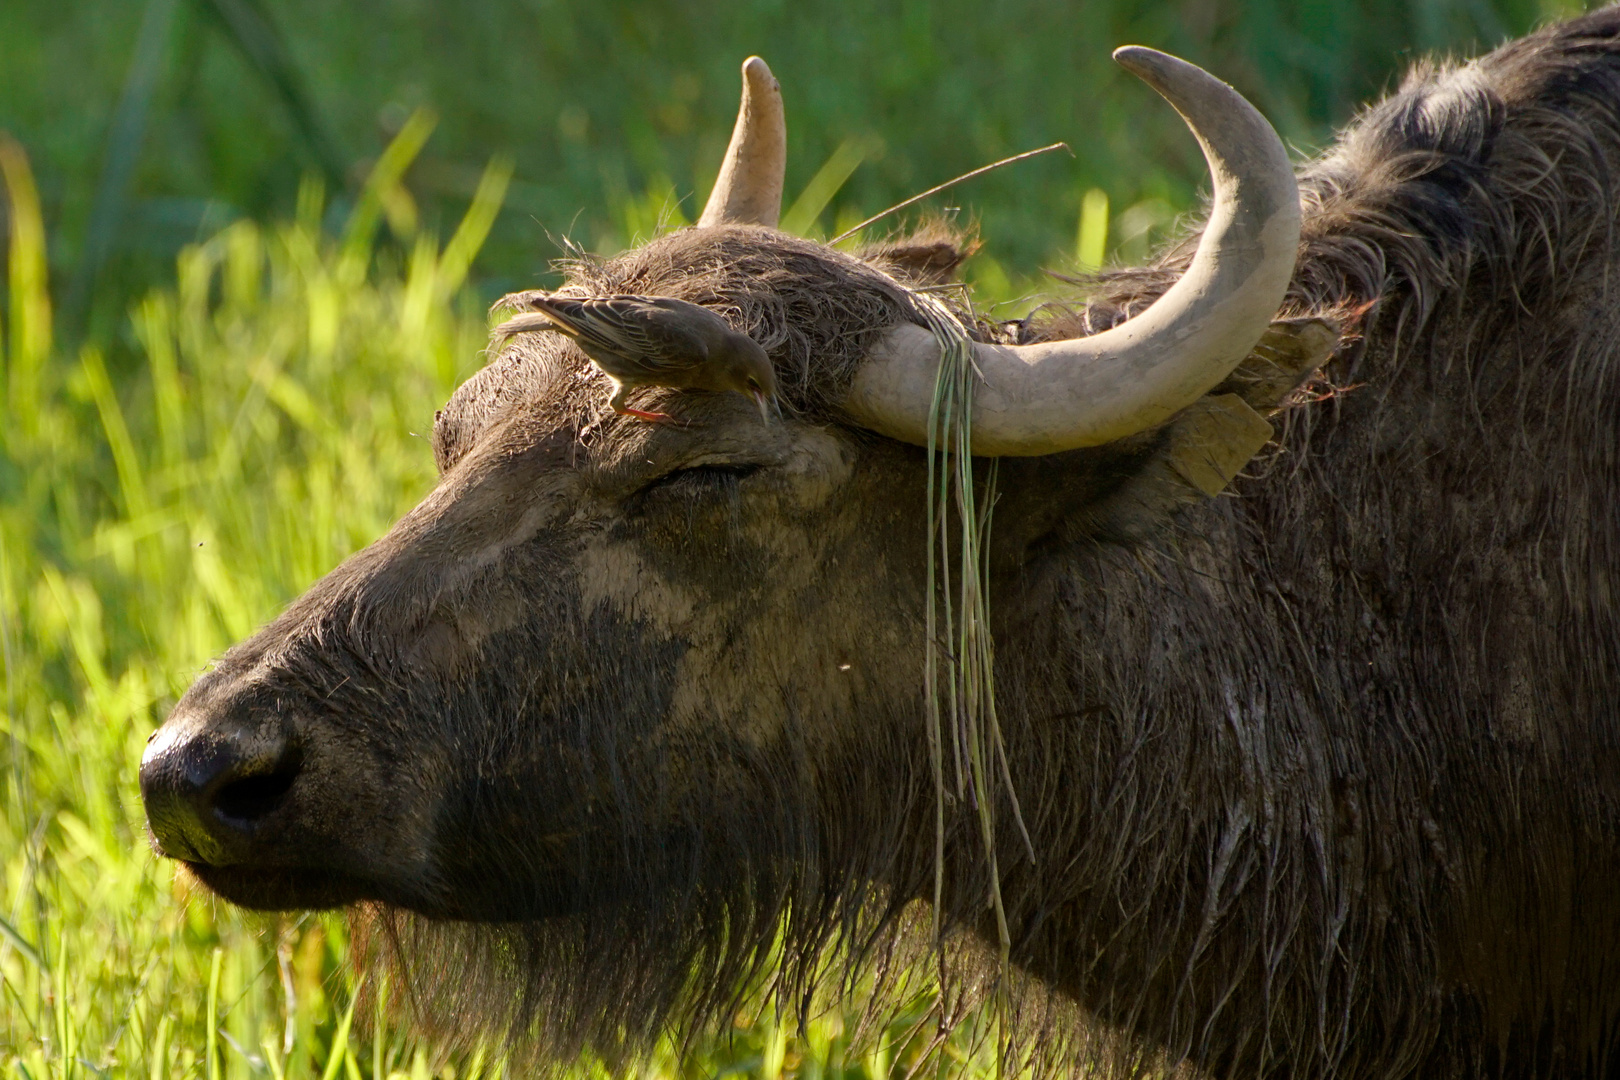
x=699 y=479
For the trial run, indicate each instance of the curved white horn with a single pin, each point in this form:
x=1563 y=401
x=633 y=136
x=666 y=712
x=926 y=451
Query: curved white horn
x=1060 y=395
x=749 y=188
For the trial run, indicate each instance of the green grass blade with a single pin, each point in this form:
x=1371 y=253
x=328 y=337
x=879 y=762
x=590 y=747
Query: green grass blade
x=126 y=460
x=340 y=1041
x=475 y=225
x=213 y=1014
x=385 y=176
x=30 y=306
x=379 y=1028
x=1092 y=243
x=158 y=1052
x=824 y=187
x=20 y=943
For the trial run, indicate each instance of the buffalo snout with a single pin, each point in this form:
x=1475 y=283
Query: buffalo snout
x=209 y=787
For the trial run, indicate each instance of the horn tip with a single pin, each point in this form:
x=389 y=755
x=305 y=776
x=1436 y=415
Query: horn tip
x=1171 y=76
x=1142 y=61
x=757 y=74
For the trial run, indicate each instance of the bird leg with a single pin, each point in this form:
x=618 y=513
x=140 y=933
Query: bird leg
x=654 y=417
x=620 y=392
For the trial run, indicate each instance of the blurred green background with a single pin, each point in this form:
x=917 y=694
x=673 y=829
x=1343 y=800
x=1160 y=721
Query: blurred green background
x=249 y=245
x=153 y=123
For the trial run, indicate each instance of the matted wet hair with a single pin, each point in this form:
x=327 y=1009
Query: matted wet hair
x=814 y=309
x=1474 y=194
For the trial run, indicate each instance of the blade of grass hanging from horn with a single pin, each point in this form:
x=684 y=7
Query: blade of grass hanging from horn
x=958 y=633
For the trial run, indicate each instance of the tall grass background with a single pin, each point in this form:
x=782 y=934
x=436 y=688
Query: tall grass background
x=273 y=422
x=242 y=267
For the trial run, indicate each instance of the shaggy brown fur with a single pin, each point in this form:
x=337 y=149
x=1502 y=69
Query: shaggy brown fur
x=1322 y=779
x=1441 y=516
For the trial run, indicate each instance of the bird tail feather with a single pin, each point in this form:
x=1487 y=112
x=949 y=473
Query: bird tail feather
x=529 y=322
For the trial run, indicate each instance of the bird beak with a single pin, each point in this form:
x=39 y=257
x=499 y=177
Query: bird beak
x=764 y=404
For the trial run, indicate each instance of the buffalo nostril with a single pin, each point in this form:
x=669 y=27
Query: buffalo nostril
x=243 y=801
x=208 y=787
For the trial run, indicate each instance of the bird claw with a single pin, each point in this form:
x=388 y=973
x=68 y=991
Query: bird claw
x=650 y=417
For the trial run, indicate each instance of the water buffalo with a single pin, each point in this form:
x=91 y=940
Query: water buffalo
x=1316 y=737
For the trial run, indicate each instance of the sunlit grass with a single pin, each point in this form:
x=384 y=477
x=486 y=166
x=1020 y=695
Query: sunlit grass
x=150 y=517
x=158 y=501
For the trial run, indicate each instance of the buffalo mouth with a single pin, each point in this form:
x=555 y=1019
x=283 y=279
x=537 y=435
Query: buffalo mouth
x=277 y=889
x=284 y=889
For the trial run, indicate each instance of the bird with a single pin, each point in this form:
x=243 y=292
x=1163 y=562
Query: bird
x=654 y=341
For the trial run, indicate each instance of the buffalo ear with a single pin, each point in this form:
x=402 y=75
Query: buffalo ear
x=1126 y=491
x=1288 y=353
x=1199 y=453
x=929 y=256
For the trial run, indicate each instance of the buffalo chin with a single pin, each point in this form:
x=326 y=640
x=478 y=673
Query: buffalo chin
x=286 y=889
x=275 y=889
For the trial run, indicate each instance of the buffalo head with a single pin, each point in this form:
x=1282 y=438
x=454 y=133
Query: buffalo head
x=640 y=692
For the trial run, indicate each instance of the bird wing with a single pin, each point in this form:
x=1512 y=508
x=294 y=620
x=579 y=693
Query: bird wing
x=654 y=333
